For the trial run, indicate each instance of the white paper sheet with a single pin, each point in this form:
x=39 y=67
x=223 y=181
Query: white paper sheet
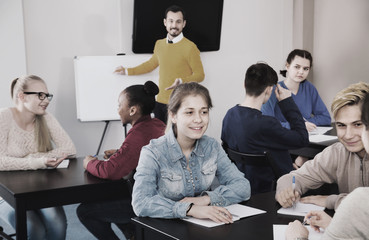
x=320 y=130
x=279 y=231
x=63 y=164
x=238 y=211
x=321 y=138
x=300 y=209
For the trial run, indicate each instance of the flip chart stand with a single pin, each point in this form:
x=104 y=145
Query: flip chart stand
x=103 y=135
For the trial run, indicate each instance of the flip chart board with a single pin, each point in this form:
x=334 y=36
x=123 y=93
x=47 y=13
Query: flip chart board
x=98 y=88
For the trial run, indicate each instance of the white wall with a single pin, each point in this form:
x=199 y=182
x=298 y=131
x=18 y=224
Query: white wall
x=56 y=31
x=252 y=31
x=12 y=48
x=341 y=45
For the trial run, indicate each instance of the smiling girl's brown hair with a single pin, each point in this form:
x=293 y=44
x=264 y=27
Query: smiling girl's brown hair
x=181 y=92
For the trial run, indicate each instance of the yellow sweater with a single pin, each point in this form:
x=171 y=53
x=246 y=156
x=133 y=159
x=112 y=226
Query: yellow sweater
x=177 y=60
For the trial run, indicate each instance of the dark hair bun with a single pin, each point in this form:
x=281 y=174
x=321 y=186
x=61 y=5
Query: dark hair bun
x=151 y=88
x=283 y=73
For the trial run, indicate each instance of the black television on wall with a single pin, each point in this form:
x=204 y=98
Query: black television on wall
x=203 y=23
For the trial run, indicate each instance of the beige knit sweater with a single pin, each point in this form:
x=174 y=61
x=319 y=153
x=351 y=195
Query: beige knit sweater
x=334 y=165
x=351 y=218
x=18 y=148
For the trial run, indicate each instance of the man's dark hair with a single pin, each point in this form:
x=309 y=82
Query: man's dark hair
x=258 y=77
x=175 y=8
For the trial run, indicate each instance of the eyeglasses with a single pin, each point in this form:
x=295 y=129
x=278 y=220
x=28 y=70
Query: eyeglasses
x=42 y=95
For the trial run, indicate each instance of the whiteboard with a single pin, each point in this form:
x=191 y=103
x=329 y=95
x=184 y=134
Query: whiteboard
x=98 y=88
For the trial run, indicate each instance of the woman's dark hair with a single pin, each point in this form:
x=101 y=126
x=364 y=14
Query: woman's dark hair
x=142 y=96
x=293 y=54
x=365 y=112
x=258 y=77
x=175 y=8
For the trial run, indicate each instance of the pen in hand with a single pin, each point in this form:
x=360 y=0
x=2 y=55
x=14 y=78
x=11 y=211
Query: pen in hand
x=305 y=221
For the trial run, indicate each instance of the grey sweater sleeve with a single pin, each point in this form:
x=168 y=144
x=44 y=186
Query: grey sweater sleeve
x=350 y=219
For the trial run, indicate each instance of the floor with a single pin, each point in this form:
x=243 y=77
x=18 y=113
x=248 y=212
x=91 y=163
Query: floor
x=75 y=229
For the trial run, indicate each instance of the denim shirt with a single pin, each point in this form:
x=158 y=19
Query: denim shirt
x=162 y=178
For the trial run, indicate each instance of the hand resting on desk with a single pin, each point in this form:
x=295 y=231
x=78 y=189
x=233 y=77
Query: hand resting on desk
x=54 y=162
x=87 y=160
x=202 y=210
x=316 y=199
x=217 y=214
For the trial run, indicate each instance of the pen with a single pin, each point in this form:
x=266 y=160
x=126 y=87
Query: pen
x=305 y=221
x=293 y=189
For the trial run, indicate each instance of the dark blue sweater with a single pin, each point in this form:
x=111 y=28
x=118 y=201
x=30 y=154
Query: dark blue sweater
x=247 y=130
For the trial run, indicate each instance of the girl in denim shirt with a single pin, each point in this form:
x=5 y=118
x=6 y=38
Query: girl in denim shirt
x=175 y=174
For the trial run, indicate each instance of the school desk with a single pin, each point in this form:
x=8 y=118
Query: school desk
x=314 y=148
x=255 y=227
x=28 y=190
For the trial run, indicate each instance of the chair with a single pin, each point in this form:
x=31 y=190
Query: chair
x=3 y=235
x=130 y=180
x=256 y=160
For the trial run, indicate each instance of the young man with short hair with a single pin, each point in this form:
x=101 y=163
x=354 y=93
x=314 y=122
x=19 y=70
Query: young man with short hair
x=246 y=130
x=345 y=163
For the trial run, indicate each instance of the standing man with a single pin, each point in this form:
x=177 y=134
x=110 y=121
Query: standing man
x=178 y=57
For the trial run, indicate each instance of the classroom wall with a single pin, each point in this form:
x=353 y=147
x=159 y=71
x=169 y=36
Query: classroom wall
x=56 y=31
x=341 y=45
x=12 y=47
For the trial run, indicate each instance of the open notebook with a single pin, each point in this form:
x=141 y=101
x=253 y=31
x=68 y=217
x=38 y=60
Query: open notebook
x=300 y=209
x=238 y=211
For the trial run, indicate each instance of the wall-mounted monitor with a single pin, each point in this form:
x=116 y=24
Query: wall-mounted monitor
x=203 y=23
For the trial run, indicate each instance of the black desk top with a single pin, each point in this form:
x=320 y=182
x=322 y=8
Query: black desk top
x=254 y=227
x=53 y=184
x=315 y=148
x=28 y=190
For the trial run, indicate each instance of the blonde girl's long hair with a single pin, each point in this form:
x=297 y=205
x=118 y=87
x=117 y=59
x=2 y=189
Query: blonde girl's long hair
x=42 y=134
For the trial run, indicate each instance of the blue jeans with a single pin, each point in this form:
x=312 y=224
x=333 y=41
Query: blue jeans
x=98 y=217
x=46 y=223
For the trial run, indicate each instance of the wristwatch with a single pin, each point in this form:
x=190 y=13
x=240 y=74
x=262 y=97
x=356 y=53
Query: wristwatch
x=189 y=208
